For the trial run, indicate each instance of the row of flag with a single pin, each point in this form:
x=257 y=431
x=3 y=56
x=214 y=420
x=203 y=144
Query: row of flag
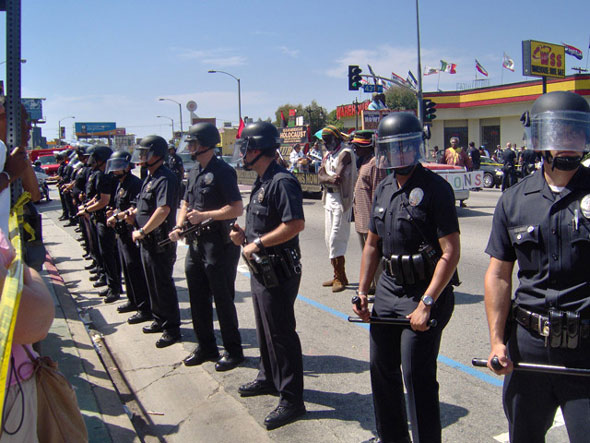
x=507 y=63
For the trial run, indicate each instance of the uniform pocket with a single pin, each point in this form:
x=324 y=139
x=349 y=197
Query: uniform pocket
x=525 y=240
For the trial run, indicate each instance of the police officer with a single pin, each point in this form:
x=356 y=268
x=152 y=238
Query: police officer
x=211 y=262
x=174 y=163
x=103 y=192
x=544 y=223
x=509 y=167
x=413 y=223
x=120 y=166
x=155 y=215
x=274 y=219
x=62 y=172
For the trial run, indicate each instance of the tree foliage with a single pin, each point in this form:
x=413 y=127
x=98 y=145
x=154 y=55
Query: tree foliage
x=400 y=99
x=313 y=115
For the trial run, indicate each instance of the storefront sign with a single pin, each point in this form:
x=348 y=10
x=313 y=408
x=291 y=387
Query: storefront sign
x=540 y=59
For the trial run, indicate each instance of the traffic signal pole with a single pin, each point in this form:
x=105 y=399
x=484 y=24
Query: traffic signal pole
x=419 y=95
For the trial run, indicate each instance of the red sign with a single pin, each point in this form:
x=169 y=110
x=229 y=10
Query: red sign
x=351 y=110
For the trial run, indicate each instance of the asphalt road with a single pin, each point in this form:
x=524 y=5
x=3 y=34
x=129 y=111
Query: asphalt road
x=336 y=353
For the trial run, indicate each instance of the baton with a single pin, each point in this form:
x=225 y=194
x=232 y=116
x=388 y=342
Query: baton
x=390 y=321
x=533 y=367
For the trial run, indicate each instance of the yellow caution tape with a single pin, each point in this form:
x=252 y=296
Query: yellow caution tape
x=11 y=293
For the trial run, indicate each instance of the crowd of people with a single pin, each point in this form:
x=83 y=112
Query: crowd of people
x=406 y=221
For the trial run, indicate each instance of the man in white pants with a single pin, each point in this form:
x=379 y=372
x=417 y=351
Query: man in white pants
x=338 y=176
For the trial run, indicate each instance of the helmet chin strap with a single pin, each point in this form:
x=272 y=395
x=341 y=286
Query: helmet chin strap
x=149 y=165
x=197 y=153
x=248 y=165
x=563 y=163
x=406 y=170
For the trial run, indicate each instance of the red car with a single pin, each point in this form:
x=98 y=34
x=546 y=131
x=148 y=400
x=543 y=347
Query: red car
x=49 y=164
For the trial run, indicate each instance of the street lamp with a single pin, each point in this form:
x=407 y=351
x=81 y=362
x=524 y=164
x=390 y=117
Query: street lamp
x=59 y=129
x=212 y=71
x=180 y=109
x=22 y=60
x=171 y=122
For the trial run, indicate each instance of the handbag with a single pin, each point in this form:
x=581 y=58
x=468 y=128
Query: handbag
x=58 y=415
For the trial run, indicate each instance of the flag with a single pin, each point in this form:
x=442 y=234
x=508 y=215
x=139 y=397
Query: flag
x=412 y=80
x=573 y=51
x=283 y=121
x=448 y=67
x=480 y=68
x=397 y=79
x=428 y=70
x=241 y=128
x=508 y=63
x=373 y=74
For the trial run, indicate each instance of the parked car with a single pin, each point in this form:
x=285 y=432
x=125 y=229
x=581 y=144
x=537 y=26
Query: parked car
x=492 y=172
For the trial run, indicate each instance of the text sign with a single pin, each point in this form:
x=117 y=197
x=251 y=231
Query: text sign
x=373 y=88
x=97 y=129
x=540 y=59
x=294 y=134
x=461 y=180
x=34 y=107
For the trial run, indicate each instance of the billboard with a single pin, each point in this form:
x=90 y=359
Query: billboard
x=293 y=134
x=34 y=107
x=86 y=129
x=540 y=59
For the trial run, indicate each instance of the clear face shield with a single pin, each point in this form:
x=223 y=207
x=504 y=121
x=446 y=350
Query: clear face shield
x=399 y=151
x=559 y=131
x=140 y=155
x=116 y=164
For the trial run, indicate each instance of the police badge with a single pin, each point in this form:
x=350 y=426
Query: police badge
x=416 y=196
x=208 y=179
x=261 y=195
x=585 y=206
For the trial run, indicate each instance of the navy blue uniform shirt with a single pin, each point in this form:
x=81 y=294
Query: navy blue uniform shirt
x=549 y=235
x=127 y=192
x=276 y=198
x=160 y=189
x=404 y=218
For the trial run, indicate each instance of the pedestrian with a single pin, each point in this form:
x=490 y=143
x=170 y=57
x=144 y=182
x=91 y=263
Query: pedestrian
x=274 y=219
x=175 y=164
x=369 y=177
x=543 y=223
x=338 y=176
x=212 y=195
x=103 y=192
x=529 y=160
x=155 y=215
x=128 y=188
x=413 y=212
x=455 y=155
x=474 y=155
x=508 y=167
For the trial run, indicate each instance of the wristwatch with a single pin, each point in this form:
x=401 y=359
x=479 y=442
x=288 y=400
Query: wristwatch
x=427 y=300
x=141 y=231
x=258 y=243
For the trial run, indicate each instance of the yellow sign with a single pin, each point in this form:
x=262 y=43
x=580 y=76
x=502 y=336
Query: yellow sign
x=541 y=59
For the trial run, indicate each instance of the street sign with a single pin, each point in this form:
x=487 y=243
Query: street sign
x=373 y=88
x=191 y=105
x=541 y=59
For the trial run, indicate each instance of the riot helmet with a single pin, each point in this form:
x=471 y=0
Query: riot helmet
x=399 y=142
x=150 y=147
x=119 y=161
x=99 y=154
x=82 y=153
x=261 y=136
x=559 y=121
x=202 y=134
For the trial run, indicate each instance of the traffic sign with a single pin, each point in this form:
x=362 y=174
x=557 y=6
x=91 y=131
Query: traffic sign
x=373 y=88
x=191 y=105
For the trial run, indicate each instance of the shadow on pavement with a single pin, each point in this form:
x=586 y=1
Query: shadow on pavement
x=462 y=298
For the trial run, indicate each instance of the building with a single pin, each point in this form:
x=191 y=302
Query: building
x=490 y=116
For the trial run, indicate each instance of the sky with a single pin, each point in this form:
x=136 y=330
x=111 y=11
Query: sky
x=110 y=60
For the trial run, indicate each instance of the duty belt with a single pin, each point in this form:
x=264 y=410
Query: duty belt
x=561 y=329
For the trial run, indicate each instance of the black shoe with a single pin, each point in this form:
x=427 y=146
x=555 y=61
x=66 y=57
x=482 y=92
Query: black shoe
x=71 y=223
x=152 y=329
x=90 y=266
x=256 y=387
x=127 y=307
x=104 y=292
x=140 y=317
x=87 y=257
x=99 y=283
x=94 y=277
x=167 y=339
x=198 y=357
x=63 y=218
x=113 y=296
x=78 y=229
x=94 y=271
x=283 y=415
x=227 y=362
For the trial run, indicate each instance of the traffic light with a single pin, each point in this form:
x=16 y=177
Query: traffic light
x=354 y=77
x=62 y=132
x=428 y=110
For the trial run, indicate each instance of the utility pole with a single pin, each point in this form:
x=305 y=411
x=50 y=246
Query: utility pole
x=419 y=95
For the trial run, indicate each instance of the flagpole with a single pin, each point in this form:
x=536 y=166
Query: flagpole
x=502 y=73
x=438 y=81
x=588 y=54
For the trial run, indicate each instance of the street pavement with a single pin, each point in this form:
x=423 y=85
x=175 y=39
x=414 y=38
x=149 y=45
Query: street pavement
x=141 y=392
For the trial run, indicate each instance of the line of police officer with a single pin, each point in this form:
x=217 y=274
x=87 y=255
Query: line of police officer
x=414 y=233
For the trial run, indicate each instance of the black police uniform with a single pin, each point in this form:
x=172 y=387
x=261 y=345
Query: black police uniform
x=62 y=172
x=174 y=163
x=160 y=189
x=107 y=244
x=137 y=292
x=509 y=169
x=90 y=192
x=277 y=198
x=212 y=259
x=548 y=234
x=402 y=217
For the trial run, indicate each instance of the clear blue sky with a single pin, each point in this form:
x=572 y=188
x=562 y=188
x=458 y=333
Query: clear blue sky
x=110 y=60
